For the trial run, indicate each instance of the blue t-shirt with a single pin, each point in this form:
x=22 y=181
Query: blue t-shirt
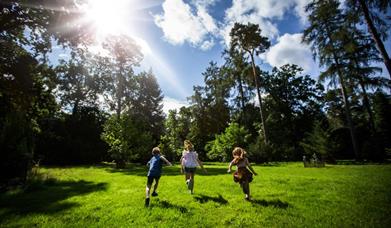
x=155 y=166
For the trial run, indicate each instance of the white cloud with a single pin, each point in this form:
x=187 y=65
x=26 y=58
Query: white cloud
x=290 y=49
x=181 y=23
x=171 y=103
x=206 y=45
x=191 y=22
x=262 y=12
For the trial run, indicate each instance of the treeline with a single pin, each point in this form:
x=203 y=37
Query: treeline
x=93 y=107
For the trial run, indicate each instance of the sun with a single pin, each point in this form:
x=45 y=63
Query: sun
x=108 y=17
x=116 y=17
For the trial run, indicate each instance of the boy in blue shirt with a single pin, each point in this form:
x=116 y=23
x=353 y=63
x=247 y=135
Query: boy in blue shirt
x=154 y=173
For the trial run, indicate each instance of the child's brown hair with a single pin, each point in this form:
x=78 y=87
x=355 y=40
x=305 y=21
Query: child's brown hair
x=188 y=145
x=238 y=154
x=155 y=151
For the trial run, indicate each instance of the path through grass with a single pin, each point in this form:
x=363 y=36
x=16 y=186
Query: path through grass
x=285 y=195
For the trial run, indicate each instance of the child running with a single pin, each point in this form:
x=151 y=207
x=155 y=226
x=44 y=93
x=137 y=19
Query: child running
x=154 y=173
x=189 y=162
x=242 y=174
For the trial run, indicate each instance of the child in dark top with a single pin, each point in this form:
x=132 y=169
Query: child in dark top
x=242 y=174
x=154 y=173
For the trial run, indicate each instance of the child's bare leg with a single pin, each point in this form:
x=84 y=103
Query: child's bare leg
x=191 y=187
x=156 y=185
x=147 y=190
x=246 y=189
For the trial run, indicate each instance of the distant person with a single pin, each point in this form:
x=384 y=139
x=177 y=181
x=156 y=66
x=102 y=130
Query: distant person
x=154 y=173
x=242 y=174
x=189 y=162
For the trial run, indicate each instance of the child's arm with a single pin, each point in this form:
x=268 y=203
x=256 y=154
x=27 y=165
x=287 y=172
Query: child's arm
x=166 y=161
x=200 y=164
x=250 y=167
x=181 y=161
x=229 y=166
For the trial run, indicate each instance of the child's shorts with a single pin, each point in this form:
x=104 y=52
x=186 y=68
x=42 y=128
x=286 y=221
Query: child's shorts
x=190 y=170
x=151 y=178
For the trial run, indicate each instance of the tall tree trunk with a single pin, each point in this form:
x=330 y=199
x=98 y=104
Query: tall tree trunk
x=259 y=98
x=75 y=109
x=375 y=36
x=119 y=98
x=120 y=92
x=344 y=97
x=241 y=92
x=366 y=103
x=347 y=108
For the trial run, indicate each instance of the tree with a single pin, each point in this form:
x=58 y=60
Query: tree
x=382 y=113
x=146 y=105
x=123 y=55
x=27 y=32
x=249 y=39
x=217 y=89
x=78 y=85
x=293 y=104
x=170 y=142
x=25 y=98
x=319 y=142
x=221 y=147
x=360 y=55
x=237 y=70
x=325 y=18
x=382 y=5
x=127 y=139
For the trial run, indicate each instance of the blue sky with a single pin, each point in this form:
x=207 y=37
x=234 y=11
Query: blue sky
x=179 y=38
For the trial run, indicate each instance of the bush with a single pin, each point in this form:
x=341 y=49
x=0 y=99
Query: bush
x=220 y=149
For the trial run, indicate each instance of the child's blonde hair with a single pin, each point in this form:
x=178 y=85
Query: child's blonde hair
x=188 y=145
x=156 y=150
x=238 y=154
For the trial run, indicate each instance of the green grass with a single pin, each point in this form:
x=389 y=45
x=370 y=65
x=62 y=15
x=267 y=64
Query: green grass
x=284 y=195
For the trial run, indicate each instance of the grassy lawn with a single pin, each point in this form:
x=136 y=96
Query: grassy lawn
x=284 y=195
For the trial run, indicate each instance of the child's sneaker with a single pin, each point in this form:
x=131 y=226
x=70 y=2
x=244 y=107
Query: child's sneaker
x=147 y=202
x=188 y=183
x=154 y=194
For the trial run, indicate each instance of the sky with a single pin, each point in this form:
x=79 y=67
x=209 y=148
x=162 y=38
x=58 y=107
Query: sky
x=179 y=38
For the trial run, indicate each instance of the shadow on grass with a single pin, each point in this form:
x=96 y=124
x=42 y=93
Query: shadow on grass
x=139 y=170
x=45 y=198
x=167 y=205
x=205 y=199
x=270 y=203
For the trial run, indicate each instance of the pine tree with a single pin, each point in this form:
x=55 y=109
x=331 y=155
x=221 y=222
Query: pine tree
x=248 y=38
x=325 y=18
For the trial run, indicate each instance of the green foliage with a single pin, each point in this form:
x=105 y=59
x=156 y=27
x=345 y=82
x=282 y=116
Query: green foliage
x=210 y=112
x=25 y=98
x=79 y=80
x=320 y=143
x=177 y=127
x=117 y=71
x=221 y=148
x=248 y=37
x=146 y=104
x=292 y=104
x=72 y=138
x=127 y=139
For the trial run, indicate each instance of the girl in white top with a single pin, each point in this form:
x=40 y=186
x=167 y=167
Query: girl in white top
x=189 y=162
